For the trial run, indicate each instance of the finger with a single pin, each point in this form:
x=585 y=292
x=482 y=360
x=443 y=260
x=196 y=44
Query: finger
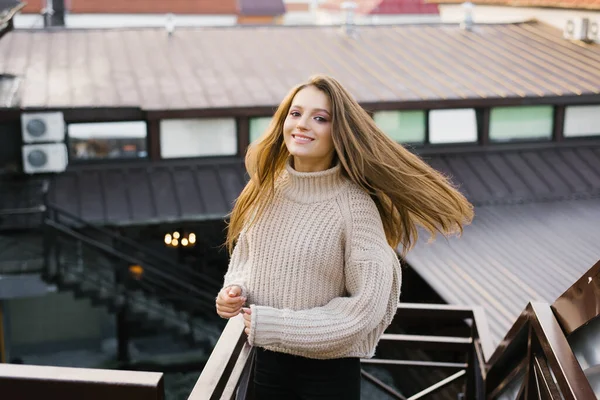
x=232 y=300
x=247 y=310
x=229 y=304
x=234 y=291
x=247 y=331
x=239 y=301
x=227 y=314
x=226 y=308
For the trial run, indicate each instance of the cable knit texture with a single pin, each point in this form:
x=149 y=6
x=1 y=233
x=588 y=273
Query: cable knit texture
x=318 y=273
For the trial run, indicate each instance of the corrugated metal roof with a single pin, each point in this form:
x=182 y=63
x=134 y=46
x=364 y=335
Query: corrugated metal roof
x=513 y=254
x=256 y=66
x=6 y=4
x=146 y=193
x=519 y=176
x=261 y=7
x=572 y=4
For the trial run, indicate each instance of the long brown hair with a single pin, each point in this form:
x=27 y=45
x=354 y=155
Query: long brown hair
x=406 y=190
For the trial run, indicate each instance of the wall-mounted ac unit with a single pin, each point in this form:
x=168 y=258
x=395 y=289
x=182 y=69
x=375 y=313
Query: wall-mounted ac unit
x=576 y=29
x=44 y=158
x=43 y=127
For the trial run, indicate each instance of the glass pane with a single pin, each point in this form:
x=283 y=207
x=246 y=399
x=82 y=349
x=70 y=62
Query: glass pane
x=258 y=126
x=183 y=138
x=582 y=121
x=453 y=126
x=402 y=126
x=530 y=122
x=107 y=140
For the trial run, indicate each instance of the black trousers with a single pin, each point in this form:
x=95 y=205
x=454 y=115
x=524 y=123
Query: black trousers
x=287 y=377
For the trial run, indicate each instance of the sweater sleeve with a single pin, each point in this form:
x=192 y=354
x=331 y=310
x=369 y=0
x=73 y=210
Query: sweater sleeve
x=372 y=275
x=236 y=274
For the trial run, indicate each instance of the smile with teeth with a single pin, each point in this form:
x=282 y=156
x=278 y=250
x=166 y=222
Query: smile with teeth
x=302 y=139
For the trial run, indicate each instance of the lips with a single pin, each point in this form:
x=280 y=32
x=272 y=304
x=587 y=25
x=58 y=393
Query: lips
x=301 y=138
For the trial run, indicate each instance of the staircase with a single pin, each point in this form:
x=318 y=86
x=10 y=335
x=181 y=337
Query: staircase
x=124 y=276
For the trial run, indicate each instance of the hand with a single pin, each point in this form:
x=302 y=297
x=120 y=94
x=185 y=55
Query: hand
x=247 y=311
x=230 y=302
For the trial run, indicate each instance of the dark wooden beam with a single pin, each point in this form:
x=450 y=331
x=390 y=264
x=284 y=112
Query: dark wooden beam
x=484 y=127
x=243 y=135
x=153 y=140
x=559 y=123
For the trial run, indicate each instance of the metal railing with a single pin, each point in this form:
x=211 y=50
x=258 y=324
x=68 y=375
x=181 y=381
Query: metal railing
x=536 y=359
x=144 y=253
x=38 y=382
x=227 y=375
x=22 y=203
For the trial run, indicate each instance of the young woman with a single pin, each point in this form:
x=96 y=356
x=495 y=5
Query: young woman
x=313 y=235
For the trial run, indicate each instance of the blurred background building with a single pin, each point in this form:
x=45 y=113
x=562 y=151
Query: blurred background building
x=123 y=127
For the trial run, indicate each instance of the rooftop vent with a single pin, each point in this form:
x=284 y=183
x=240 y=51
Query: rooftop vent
x=582 y=29
x=170 y=23
x=348 y=9
x=467 y=22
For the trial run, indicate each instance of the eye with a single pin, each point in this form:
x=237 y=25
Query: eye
x=295 y=114
x=320 y=119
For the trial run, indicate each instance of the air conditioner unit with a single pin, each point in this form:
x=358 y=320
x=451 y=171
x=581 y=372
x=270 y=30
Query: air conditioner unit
x=593 y=32
x=576 y=29
x=44 y=158
x=43 y=127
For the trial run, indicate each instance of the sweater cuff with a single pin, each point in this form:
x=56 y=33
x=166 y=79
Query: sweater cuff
x=265 y=326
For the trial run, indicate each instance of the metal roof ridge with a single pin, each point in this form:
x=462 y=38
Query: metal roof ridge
x=531 y=21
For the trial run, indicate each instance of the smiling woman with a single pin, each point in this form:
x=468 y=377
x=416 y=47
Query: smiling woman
x=313 y=237
x=307 y=131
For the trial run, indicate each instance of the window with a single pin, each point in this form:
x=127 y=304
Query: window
x=582 y=121
x=181 y=138
x=452 y=126
x=518 y=123
x=107 y=140
x=402 y=126
x=258 y=126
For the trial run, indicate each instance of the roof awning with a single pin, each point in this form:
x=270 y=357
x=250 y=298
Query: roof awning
x=146 y=193
x=536 y=229
x=521 y=176
x=513 y=254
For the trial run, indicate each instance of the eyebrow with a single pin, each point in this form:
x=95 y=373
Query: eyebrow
x=316 y=109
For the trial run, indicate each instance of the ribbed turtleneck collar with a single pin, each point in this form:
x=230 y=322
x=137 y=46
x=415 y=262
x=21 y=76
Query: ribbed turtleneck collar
x=311 y=187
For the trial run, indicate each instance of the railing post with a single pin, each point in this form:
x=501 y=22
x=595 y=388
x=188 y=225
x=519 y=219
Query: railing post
x=123 y=355
x=475 y=386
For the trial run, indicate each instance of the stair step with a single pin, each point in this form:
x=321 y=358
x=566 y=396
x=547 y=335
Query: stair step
x=21 y=266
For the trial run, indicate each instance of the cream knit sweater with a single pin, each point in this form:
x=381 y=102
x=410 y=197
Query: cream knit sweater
x=317 y=270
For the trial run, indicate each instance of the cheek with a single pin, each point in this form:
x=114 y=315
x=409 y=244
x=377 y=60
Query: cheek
x=287 y=127
x=327 y=140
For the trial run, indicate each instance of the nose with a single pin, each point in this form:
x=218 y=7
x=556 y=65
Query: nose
x=301 y=125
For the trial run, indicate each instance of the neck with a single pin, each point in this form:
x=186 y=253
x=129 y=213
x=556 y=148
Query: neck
x=310 y=187
x=304 y=165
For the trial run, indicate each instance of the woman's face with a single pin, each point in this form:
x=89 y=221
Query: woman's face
x=307 y=131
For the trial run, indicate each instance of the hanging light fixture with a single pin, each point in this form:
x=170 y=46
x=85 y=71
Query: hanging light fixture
x=176 y=239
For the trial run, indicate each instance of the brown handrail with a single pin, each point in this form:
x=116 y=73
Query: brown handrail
x=580 y=303
x=536 y=349
x=29 y=382
x=221 y=374
x=230 y=360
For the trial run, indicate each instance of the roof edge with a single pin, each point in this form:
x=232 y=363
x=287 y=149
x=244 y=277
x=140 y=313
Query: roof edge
x=521 y=4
